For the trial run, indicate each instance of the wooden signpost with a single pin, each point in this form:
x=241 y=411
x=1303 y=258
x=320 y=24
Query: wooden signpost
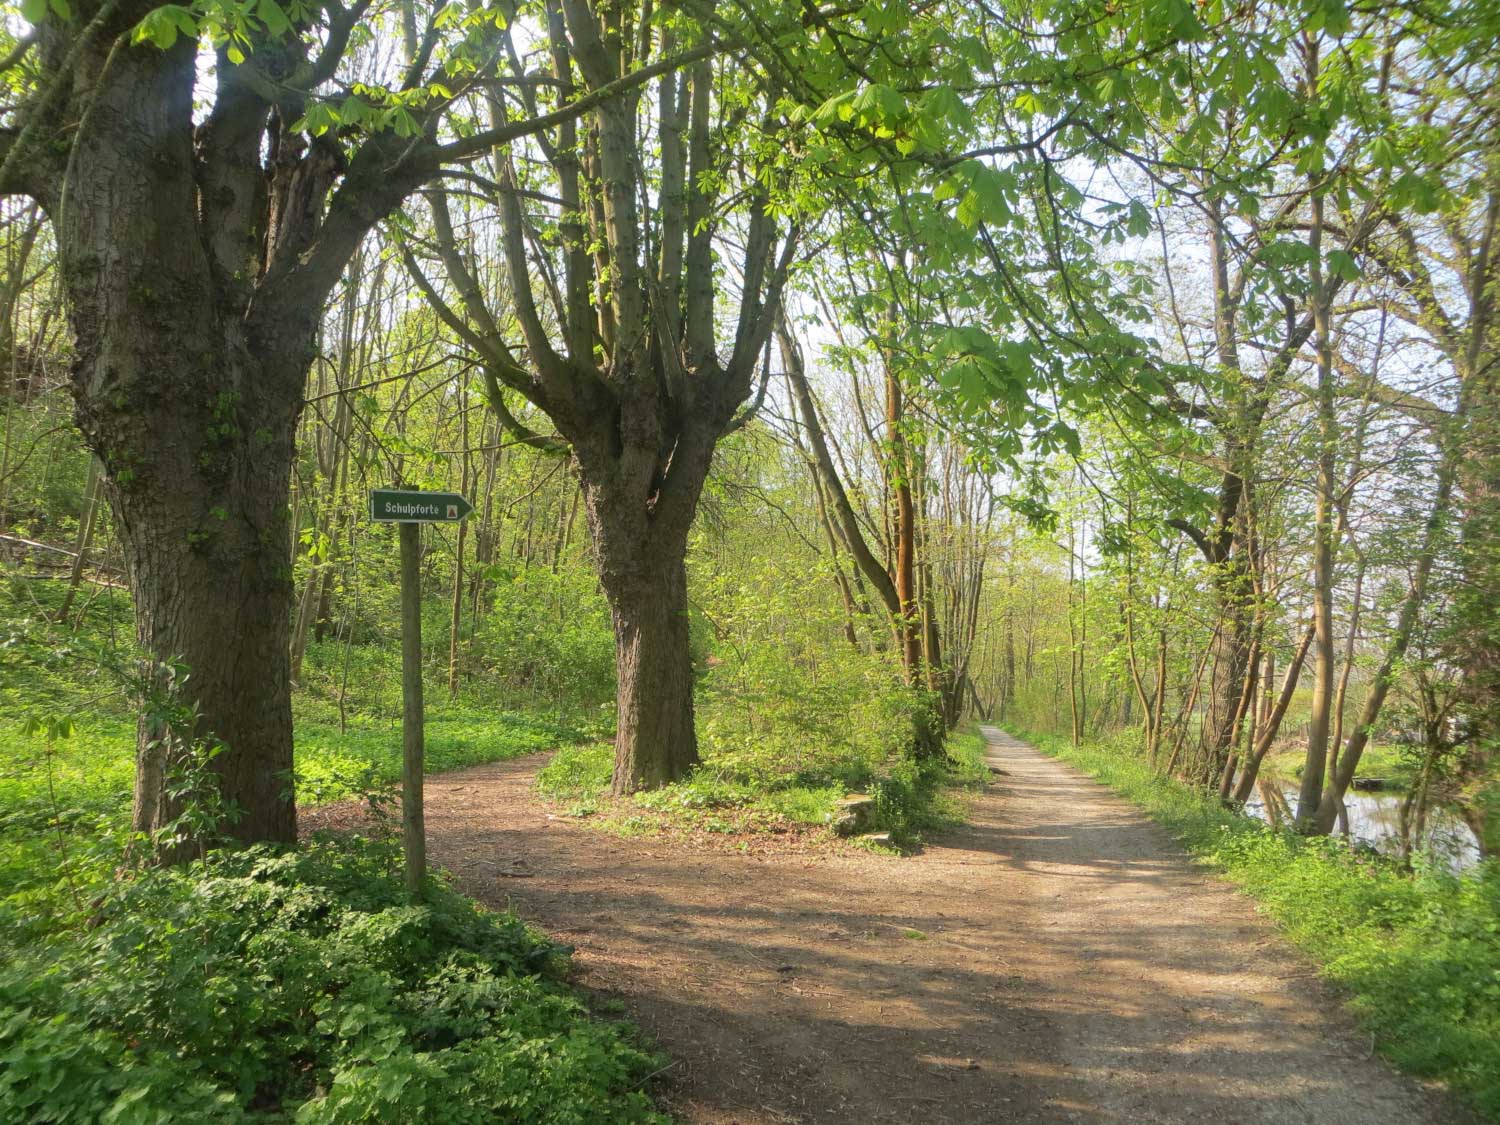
x=411 y=509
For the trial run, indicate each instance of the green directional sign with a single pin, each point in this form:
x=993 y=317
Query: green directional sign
x=400 y=505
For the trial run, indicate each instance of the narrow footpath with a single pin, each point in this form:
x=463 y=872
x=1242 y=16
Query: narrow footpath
x=1058 y=959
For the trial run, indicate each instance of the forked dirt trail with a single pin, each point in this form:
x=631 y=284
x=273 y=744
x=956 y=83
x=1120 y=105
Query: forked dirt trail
x=1058 y=959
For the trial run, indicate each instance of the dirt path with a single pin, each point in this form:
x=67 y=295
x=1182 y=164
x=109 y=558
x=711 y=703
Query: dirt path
x=1058 y=959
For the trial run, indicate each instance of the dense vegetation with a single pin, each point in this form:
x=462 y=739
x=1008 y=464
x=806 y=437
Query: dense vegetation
x=304 y=985
x=822 y=378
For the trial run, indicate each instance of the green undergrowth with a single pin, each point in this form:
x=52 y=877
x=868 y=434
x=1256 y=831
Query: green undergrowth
x=911 y=798
x=1418 y=953
x=264 y=985
x=80 y=784
x=300 y=986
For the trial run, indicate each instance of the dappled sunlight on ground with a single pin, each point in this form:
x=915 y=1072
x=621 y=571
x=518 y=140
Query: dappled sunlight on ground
x=1057 y=959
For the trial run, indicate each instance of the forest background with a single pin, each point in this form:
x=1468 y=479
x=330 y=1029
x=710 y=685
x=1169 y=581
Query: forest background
x=1125 y=376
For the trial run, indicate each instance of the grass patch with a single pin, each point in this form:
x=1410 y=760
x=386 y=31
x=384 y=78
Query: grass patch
x=333 y=764
x=577 y=771
x=910 y=798
x=1419 y=954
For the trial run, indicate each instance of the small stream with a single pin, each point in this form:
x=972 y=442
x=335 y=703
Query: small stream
x=1374 y=819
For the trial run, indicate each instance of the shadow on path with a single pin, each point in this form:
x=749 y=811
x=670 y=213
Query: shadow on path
x=1056 y=959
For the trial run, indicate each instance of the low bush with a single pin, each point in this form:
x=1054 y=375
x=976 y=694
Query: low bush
x=548 y=636
x=915 y=797
x=767 y=718
x=274 y=986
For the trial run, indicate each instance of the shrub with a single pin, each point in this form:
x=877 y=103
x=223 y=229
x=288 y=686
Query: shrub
x=770 y=717
x=549 y=635
x=301 y=985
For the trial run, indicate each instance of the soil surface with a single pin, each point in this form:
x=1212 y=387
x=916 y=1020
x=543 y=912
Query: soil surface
x=1057 y=959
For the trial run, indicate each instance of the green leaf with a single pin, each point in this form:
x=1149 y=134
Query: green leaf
x=319 y=118
x=33 y=11
x=1069 y=438
x=1415 y=191
x=879 y=105
x=353 y=111
x=1342 y=264
x=270 y=14
x=1382 y=153
x=401 y=121
x=944 y=103
x=835 y=109
x=1029 y=104
x=162 y=26
x=1331 y=16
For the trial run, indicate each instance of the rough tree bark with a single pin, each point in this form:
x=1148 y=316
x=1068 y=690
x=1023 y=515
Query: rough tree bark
x=627 y=364
x=189 y=394
x=645 y=580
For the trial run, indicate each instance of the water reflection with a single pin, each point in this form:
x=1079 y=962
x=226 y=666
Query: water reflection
x=1374 y=819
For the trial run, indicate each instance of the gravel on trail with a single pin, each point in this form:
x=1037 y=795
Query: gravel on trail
x=1056 y=959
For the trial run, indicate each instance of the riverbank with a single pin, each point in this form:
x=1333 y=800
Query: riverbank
x=1418 y=954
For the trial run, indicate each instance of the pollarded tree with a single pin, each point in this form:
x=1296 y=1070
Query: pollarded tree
x=206 y=192
x=615 y=238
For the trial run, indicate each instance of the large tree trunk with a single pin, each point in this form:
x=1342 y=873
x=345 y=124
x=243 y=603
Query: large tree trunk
x=201 y=506
x=655 y=742
x=191 y=406
x=195 y=271
x=640 y=547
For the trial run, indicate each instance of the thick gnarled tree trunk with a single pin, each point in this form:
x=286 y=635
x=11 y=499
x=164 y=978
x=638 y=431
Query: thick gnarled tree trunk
x=196 y=248
x=631 y=366
x=203 y=520
x=640 y=544
x=655 y=741
x=190 y=405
